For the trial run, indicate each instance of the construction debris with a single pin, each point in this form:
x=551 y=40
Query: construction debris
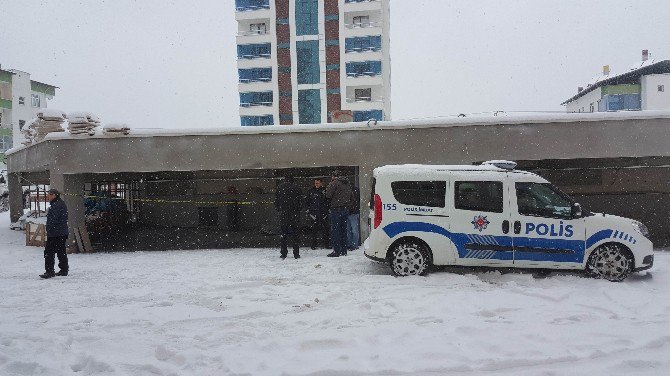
x=82 y=123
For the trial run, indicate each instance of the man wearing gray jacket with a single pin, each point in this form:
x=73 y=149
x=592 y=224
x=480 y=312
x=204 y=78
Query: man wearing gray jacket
x=339 y=194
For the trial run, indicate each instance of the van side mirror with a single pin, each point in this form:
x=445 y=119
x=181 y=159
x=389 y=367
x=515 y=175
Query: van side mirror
x=576 y=210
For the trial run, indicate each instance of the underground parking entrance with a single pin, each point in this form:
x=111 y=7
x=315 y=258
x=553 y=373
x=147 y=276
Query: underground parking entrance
x=195 y=209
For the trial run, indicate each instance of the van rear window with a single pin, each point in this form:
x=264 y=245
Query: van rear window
x=486 y=196
x=420 y=193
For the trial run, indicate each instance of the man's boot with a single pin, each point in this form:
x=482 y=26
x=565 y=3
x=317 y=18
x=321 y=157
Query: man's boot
x=47 y=275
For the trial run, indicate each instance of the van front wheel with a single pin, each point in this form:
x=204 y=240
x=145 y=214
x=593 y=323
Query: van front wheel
x=610 y=262
x=409 y=258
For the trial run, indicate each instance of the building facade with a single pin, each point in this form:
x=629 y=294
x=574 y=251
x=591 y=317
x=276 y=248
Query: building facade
x=313 y=61
x=20 y=99
x=645 y=87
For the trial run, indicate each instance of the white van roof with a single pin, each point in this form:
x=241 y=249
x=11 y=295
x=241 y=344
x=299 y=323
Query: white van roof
x=422 y=169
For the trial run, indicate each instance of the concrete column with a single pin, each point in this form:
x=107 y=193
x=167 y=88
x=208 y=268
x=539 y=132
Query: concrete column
x=72 y=192
x=15 y=197
x=365 y=185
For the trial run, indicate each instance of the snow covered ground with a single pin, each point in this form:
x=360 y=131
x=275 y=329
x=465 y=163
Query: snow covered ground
x=245 y=311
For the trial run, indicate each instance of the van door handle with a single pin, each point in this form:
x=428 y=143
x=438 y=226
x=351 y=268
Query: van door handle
x=517 y=227
x=505 y=226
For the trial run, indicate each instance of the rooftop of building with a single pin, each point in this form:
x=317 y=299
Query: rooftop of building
x=644 y=68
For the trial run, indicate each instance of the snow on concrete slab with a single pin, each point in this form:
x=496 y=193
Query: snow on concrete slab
x=245 y=311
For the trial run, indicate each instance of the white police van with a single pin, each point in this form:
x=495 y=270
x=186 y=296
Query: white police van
x=493 y=215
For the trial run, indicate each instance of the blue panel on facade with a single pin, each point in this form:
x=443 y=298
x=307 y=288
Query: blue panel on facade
x=244 y=5
x=362 y=44
x=255 y=75
x=364 y=68
x=309 y=106
x=367 y=115
x=255 y=121
x=620 y=102
x=256 y=98
x=306 y=17
x=308 y=62
x=253 y=51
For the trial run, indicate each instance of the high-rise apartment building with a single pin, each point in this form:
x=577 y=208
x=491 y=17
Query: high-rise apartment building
x=313 y=61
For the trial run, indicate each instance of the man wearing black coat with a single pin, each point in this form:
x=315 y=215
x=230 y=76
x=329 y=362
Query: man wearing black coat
x=317 y=209
x=56 y=236
x=288 y=203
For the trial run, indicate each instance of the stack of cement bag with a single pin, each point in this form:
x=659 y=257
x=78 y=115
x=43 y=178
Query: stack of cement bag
x=47 y=121
x=115 y=129
x=82 y=123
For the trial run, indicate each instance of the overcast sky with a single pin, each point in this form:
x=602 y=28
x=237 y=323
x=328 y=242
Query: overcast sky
x=173 y=64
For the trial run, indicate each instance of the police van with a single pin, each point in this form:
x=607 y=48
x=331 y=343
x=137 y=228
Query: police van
x=494 y=215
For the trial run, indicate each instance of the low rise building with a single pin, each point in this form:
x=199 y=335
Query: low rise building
x=20 y=99
x=646 y=86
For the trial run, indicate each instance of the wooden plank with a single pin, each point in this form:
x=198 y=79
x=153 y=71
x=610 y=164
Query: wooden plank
x=86 y=241
x=77 y=237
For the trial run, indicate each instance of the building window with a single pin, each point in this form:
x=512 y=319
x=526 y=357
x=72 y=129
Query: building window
x=256 y=121
x=368 y=115
x=362 y=44
x=486 y=196
x=21 y=124
x=661 y=88
x=5 y=143
x=260 y=98
x=255 y=75
x=244 y=5
x=364 y=68
x=22 y=100
x=309 y=106
x=362 y=21
x=308 y=62
x=363 y=95
x=306 y=17
x=253 y=51
x=258 y=28
x=35 y=100
x=591 y=107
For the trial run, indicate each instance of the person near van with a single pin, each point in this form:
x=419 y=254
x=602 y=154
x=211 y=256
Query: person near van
x=57 y=233
x=353 y=220
x=317 y=210
x=339 y=194
x=288 y=203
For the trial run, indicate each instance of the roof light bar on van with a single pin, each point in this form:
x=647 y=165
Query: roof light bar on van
x=505 y=165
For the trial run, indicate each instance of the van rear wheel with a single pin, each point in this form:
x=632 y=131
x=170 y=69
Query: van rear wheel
x=610 y=262
x=409 y=258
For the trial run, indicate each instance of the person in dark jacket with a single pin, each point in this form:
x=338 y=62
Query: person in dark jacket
x=57 y=233
x=317 y=209
x=339 y=194
x=288 y=203
x=353 y=220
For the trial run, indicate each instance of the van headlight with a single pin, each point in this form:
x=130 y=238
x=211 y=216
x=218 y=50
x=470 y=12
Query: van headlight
x=641 y=228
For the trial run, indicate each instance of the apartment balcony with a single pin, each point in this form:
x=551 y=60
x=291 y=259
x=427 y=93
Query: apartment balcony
x=361 y=5
x=249 y=9
x=244 y=37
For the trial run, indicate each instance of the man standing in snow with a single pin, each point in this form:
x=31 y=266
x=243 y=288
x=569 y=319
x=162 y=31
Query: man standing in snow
x=317 y=209
x=353 y=220
x=288 y=202
x=339 y=194
x=56 y=236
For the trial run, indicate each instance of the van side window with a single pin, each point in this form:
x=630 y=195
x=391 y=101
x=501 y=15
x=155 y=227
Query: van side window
x=486 y=196
x=542 y=200
x=420 y=193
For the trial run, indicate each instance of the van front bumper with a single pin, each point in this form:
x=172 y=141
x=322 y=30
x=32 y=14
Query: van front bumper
x=647 y=263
